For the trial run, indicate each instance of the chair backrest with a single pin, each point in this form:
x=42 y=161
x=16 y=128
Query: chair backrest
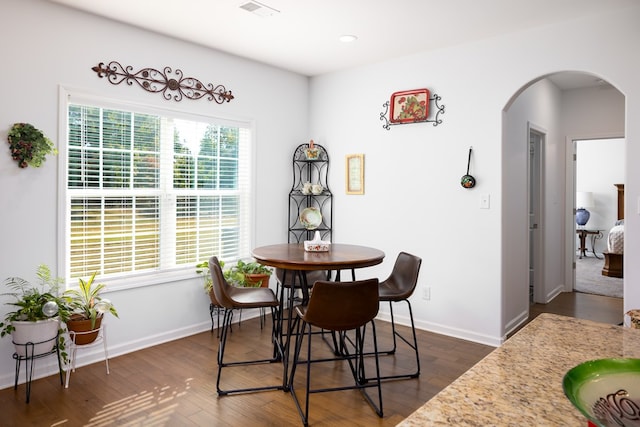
x=340 y=306
x=404 y=276
x=219 y=284
x=290 y=277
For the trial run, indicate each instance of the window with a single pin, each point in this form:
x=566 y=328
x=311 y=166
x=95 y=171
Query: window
x=150 y=191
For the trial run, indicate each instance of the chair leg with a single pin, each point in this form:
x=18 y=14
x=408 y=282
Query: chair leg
x=212 y=308
x=215 y=309
x=412 y=344
x=226 y=326
x=393 y=331
x=301 y=332
x=356 y=363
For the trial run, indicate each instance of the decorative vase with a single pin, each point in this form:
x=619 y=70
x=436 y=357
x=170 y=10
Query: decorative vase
x=582 y=216
x=80 y=325
x=307 y=188
x=42 y=333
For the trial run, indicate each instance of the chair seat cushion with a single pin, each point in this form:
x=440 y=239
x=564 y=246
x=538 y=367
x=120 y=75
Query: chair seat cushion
x=253 y=297
x=389 y=290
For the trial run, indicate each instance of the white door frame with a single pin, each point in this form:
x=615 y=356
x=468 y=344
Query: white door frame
x=570 y=203
x=535 y=248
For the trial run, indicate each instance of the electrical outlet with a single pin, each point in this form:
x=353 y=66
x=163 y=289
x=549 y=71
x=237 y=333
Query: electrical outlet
x=426 y=293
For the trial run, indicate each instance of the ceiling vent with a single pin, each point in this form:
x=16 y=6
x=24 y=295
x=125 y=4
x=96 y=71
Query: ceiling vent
x=258 y=8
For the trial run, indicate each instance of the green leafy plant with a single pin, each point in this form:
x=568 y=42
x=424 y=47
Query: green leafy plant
x=87 y=302
x=235 y=275
x=31 y=299
x=203 y=270
x=29 y=146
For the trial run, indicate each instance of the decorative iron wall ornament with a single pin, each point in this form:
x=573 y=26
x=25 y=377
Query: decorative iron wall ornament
x=420 y=96
x=172 y=84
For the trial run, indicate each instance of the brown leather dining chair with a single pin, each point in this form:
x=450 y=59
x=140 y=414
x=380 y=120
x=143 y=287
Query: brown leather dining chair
x=398 y=287
x=289 y=284
x=290 y=281
x=338 y=307
x=233 y=298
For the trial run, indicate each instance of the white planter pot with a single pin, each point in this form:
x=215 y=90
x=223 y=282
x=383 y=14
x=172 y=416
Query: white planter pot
x=41 y=333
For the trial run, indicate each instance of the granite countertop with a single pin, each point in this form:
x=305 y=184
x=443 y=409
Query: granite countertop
x=520 y=383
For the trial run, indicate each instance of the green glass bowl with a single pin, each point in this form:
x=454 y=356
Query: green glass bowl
x=606 y=391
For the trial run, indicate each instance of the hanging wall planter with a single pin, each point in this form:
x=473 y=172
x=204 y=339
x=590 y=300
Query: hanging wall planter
x=29 y=146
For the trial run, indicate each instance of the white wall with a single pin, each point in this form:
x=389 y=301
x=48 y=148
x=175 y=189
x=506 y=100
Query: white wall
x=474 y=259
x=60 y=51
x=538 y=107
x=413 y=200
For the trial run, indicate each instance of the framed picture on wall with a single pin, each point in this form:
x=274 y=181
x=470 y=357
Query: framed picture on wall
x=354 y=173
x=410 y=106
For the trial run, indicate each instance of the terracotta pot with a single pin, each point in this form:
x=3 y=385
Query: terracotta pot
x=42 y=333
x=257 y=280
x=78 y=324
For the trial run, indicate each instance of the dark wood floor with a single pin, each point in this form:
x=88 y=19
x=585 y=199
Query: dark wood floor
x=583 y=306
x=173 y=384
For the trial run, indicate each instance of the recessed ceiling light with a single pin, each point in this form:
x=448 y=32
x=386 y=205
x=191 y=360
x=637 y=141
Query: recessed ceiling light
x=348 y=38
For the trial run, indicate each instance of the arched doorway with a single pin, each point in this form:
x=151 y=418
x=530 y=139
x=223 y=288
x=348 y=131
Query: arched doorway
x=560 y=106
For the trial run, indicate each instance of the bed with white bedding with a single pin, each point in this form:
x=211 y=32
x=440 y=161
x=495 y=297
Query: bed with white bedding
x=615 y=241
x=613 y=258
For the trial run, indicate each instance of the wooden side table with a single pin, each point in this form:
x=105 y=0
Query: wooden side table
x=582 y=234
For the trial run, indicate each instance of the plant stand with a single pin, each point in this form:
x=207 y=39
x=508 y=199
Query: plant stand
x=29 y=358
x=77 y=340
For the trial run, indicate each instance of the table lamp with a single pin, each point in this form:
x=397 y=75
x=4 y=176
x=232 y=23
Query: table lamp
x=584 y=199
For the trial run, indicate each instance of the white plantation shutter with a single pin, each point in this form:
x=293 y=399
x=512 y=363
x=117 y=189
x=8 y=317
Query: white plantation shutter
x=149 y=191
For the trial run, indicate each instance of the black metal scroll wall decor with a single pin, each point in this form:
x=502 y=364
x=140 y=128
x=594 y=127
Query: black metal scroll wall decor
x=172 y=84
x=411 y=106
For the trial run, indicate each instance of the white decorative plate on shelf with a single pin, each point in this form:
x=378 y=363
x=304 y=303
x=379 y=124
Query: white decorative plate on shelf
x=311 y=218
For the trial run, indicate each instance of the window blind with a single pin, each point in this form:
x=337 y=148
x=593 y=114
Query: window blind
x=152 y=191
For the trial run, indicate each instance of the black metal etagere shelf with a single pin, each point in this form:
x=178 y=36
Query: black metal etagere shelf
x=312 y=170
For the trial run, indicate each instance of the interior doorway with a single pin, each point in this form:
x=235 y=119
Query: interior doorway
x=597 y=168
x=535 y=184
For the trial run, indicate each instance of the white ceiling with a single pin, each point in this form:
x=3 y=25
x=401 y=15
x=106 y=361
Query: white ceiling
x=303 y=36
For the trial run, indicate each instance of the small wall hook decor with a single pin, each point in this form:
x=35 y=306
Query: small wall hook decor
x=468 y=181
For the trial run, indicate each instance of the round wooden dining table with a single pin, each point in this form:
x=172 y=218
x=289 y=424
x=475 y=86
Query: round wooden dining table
x=340 y=256
x=292 y=258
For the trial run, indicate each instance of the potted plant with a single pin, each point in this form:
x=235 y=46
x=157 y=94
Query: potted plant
x=242 y=274
x=248 y=274
x=29 y=146
x=203 y=270
x=87 y=309
x=39 y=311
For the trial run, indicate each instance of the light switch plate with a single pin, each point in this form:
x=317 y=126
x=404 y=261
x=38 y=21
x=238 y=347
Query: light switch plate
x=484 y=201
